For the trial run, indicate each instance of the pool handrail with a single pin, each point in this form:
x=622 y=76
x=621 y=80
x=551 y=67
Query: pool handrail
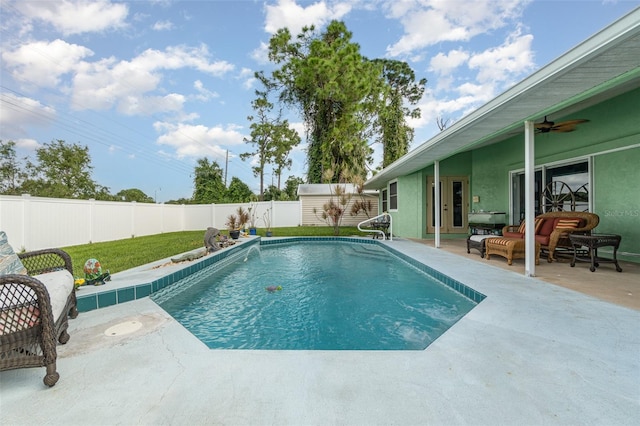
x=388 y=219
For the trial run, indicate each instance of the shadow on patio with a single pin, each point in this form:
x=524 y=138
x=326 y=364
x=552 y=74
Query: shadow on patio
x=622 y=288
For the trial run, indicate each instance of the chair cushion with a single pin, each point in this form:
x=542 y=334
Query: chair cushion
x=479 y=238
x=9 y=261
x=512 y=235
x=59 y=284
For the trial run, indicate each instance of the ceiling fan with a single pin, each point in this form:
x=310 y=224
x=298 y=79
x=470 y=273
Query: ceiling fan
x=563 y=127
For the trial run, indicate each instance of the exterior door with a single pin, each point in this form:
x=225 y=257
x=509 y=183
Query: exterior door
x=454 y=205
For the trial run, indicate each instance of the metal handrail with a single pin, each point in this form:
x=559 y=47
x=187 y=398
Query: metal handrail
x=384 y=235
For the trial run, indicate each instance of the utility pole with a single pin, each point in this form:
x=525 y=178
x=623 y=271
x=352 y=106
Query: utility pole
x=226 y=167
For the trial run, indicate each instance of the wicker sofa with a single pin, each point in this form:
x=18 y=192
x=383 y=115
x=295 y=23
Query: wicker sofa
x=552 y=229
x=34 y=311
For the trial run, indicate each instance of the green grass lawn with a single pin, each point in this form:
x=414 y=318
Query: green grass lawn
x=125 y=254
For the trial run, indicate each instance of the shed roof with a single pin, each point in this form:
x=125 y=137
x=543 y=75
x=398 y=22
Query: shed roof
x=603 y=66
x=328 y=189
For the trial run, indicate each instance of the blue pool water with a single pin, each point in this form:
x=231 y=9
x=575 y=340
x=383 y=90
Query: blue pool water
x=335 y=295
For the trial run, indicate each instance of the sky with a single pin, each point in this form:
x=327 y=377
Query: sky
x=150 y=87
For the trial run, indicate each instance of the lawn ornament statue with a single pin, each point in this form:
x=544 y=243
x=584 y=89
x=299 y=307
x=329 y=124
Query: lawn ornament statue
x=93 y=273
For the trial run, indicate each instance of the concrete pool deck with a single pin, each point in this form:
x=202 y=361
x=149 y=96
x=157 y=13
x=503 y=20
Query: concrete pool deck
x=530 y=353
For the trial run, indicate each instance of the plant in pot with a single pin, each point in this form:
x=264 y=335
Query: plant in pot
x=243 y=217
x=266 y=217
x=253 y=210
x=233 y=226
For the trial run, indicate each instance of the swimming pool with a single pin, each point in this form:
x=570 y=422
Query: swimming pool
x=315 y=295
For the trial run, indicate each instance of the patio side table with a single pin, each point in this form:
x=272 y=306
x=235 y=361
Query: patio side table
x=592 y=243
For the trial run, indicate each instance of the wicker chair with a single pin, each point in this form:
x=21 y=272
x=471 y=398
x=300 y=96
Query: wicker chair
x=551 y=237
x=29 y=332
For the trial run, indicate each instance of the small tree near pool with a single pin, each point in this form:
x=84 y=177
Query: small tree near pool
x=333 y=210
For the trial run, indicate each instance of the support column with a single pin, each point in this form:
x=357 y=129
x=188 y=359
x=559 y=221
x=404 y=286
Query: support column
x=436 y=201
x=529 y=199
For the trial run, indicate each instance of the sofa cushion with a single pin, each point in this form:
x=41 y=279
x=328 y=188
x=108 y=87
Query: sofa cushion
x=547 y=227
x=9 y=261
x=568 y=223
x=59 y=284
x=538 y=224
x=543 y=239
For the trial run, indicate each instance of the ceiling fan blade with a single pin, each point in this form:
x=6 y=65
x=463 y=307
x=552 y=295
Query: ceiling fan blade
x=567 y=126
x=563 y=129
x=572 y=122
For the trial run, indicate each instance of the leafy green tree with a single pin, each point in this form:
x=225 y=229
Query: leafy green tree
x=11 y=172
x=335 y=88
x=291 y=187
x=400 y=89
x=272 y=193
x=62 y=171
x=208 y=183
x=134 y=194
x=238 y=192
x=180 y=201
x=286 y=139
x=272 y=138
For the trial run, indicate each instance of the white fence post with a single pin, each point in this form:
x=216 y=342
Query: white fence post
x=26 y=218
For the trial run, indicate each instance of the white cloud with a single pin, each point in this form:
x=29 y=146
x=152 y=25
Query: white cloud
x=261 y=53
x=203 y=93
x=19 y=113
x=198 y=140
x=512 y=58
x=76 y=17
x=128 y=84
x=248 y=76
x=43 y=63
x=27 y=144
x=287 y=13
x=175 y=57
x=444 y=64
x=428 y=22
x=149 y=105
x=163 y=26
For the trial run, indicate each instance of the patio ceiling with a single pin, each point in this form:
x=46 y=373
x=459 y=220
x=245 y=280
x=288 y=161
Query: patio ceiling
x=603 y=66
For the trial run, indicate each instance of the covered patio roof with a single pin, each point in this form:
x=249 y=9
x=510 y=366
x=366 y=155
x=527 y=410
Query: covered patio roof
x=601 y=67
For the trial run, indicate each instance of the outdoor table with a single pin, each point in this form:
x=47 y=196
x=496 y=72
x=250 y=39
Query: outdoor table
x=592 y=243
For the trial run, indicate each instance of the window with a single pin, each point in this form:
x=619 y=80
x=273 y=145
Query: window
x=557 y=187
x=393 y=196
x=384 y=200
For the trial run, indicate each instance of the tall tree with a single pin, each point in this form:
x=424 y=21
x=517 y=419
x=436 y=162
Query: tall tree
x=11 y=173
x=208 y=182
x=238 y=192
x=62 y=171
x=272 y=138
x=335 y=88
x=134 y=194
x=291 y=187
x=400 y=89
x=285 y=139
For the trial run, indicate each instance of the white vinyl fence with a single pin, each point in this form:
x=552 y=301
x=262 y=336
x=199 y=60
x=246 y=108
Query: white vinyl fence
x=33 y=223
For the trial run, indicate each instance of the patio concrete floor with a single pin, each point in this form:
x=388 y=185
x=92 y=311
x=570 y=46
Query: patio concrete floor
x=531 y=353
